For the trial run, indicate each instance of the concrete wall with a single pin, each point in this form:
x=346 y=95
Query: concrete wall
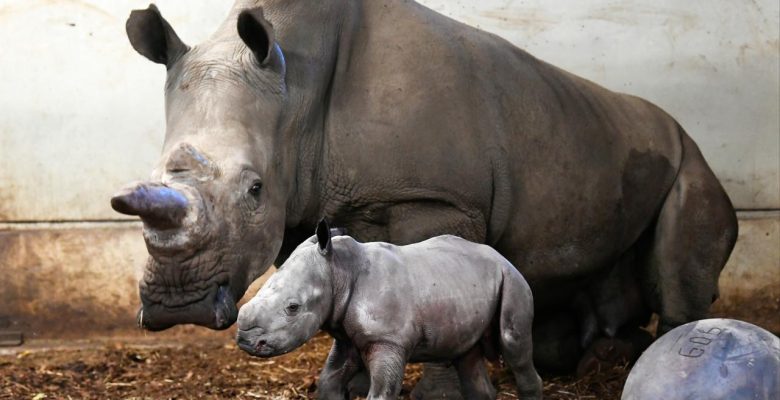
x=82 y=114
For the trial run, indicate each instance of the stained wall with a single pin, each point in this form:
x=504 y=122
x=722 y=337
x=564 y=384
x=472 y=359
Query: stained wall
x=82 y=114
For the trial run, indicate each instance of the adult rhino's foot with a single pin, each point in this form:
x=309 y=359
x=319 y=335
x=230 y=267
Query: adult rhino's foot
x=557 y=346
x=437 y=382
x=605 y=353
x=359 y=385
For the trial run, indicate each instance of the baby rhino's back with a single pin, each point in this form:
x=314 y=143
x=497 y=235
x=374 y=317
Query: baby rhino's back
x=438 y=297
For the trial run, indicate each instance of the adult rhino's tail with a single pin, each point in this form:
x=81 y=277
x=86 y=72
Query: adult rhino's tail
x=692 y=239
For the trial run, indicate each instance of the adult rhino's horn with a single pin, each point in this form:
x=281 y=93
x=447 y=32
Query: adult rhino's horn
x=159 y=206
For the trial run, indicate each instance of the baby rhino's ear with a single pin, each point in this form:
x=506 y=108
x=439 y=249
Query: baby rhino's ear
x=323 y=237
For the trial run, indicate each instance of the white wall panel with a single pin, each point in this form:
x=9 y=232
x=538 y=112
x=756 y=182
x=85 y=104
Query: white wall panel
x=81 y=113
x=713 y=64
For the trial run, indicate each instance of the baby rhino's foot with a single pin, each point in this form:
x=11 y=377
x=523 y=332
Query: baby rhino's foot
x=437 y=382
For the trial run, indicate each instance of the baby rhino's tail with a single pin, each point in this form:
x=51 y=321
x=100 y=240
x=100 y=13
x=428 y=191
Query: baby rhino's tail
x=516 y=315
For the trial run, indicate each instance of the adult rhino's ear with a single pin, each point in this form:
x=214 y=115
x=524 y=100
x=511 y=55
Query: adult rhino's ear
x=338 y=232
x=152 y=36
x=323 y=237
x=257 y=33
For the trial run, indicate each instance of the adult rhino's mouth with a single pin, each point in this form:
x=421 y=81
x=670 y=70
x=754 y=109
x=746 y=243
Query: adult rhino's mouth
x=169 y=299
x=216 y=309
x=176 y=292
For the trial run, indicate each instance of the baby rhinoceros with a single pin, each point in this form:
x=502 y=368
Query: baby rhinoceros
x=442 y=300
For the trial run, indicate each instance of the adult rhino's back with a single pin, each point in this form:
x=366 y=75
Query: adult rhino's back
x=563 y=173
x=588 y=171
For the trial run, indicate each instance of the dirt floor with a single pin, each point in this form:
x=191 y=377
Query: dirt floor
x=213 y=369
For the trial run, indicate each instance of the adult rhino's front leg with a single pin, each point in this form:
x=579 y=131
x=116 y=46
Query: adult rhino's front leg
x=412 y=222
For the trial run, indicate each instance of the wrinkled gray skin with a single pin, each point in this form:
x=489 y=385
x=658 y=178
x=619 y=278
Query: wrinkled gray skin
x=718 y=359
x=444 y=299
x=401 y=124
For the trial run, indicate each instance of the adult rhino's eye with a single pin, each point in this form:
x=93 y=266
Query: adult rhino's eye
x=292 y=308
x=255 y=189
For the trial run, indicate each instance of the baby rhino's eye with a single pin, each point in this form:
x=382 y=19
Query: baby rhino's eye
x=255 y=189
x=292 y=308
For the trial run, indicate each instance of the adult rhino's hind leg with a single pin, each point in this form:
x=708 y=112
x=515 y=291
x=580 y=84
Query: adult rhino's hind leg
x=694 y=235
x=515 y=326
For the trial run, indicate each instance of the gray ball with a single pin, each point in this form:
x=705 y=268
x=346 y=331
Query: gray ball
x=709 y=359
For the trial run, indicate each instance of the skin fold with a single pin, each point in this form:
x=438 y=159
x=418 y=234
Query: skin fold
x=458 y=297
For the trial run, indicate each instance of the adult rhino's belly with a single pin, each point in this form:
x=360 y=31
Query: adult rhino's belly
x=570 y=225
x=568 y=238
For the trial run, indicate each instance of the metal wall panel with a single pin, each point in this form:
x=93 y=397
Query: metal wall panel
x=80 y=280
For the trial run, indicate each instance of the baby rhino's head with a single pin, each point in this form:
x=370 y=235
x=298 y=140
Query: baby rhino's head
x=292 y=305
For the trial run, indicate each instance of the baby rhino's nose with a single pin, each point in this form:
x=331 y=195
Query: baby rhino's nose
x=246 y=337
x=242 y=339
x=250 y=340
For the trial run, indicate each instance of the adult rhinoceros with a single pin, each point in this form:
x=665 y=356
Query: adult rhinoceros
x=401 y=124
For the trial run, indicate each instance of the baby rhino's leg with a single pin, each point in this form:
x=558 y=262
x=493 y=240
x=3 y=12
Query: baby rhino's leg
x=342 y=364
x=474 y=379
x=385 y=363
x=516 y=318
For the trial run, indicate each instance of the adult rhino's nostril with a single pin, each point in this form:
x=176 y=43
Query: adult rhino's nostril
x=261 y=343
x=225 y=309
